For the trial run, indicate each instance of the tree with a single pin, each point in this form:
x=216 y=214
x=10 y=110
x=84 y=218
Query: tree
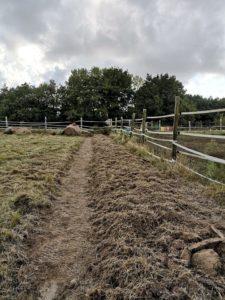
x=84 y=95
x=157 y=94
x=28 y=103
x=117 y=91
x=97 y=94
x=137 y=82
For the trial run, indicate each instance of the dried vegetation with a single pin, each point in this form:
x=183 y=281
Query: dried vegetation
x=30 y=169
x=149 y=225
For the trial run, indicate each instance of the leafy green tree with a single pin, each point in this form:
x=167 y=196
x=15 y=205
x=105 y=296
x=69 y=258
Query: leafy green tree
x=28 y=103
x=157 y=94
x=117 y=91
x=97 y=94
x=83 y=95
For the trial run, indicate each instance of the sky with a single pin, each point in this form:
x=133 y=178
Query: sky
x=45 y=39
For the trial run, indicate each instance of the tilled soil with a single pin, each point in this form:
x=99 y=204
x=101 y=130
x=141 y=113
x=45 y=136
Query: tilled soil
x=144 y=222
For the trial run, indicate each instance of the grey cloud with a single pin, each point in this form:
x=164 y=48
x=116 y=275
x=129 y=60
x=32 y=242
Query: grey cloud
x=182 y=37
x=24 y=20
x=2 y=79
x=57 y=74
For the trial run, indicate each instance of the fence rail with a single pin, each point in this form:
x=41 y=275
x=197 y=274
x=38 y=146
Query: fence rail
x=145 y=135
x=53 y=125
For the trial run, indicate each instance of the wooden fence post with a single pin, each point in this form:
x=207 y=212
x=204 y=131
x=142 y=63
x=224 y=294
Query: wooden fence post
x=121 y=128
x=175 y=125
x=189 y=125
x=121 y=123
x=115 y=122
x=132 y=123
x=81 y=122
x=6 y=122
x=46 y=124
x=144 y=124
x=221 y=121
x=159 y=125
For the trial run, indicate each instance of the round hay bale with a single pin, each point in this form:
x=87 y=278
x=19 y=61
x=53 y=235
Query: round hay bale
x=9 y=130
x=72 y=130
x=206 y=260
x=17 y=130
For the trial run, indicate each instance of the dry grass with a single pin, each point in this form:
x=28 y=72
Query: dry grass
x=212 y=170
x=30 y=170
x=143 y=219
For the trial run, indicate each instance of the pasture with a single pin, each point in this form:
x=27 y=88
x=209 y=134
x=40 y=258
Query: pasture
x=88 y=218
x=31 y=166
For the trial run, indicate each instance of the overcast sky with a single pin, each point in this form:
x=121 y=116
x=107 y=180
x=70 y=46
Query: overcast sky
x=45 y=39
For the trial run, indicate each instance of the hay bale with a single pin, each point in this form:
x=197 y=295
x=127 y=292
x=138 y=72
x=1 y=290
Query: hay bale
x=207 y=260
x=17 y=130
x=72 y=130
x=9 y=130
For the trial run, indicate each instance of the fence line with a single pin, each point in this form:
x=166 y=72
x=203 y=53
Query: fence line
x=52 y=125
x=211 y=136
x=141 y=132
x=195 y=154
x=187 y=113
x=200 y=154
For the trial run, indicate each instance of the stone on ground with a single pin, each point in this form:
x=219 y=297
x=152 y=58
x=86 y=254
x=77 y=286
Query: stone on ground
x=207 y=260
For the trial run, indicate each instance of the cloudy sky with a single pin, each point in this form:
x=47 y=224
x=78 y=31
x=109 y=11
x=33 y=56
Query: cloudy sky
x=44 y=39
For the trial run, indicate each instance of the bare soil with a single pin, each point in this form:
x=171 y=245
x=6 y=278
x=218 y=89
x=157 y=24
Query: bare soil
x=61 y=253
x=122 y=229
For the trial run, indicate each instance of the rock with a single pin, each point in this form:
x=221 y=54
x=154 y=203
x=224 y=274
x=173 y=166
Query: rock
x=72 y=130
x=206 y=260
x=9 y=130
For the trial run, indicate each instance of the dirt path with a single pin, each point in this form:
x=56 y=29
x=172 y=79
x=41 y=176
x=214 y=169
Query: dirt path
x=61 y=253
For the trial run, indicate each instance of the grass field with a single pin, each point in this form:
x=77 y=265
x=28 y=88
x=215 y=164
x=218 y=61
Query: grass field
x=30 y=167
x=212 y=170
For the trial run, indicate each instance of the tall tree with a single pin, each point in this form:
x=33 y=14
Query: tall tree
x=97 y=94
x=117 y=91
x=157 y=94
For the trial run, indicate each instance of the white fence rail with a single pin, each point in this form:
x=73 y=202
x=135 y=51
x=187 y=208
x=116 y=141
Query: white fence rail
x=53 y=125
x=145 y=135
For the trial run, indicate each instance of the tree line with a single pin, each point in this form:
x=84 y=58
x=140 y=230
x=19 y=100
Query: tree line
x=98 y=94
